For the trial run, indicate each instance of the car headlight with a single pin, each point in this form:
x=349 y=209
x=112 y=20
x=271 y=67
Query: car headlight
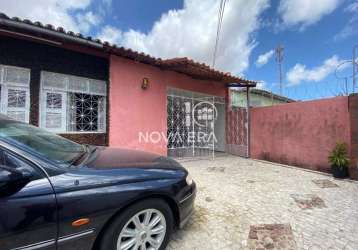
x=189 y=180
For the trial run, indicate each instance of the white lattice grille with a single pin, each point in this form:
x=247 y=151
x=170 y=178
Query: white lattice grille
x=84 y=112
x=80 y=106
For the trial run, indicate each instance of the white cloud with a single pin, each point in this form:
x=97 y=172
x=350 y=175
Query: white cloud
x=305 y=12
x=191 y=32
x=87 y=20
x=110 y=34
x=350 y=28
x=352 y=7
x=104 y=7
x=55 y=12
x=261 y=85
x=107 y=3
x=299 y=73
x=264 y=58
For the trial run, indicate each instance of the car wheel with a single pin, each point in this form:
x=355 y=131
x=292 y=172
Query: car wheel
x=146 y=225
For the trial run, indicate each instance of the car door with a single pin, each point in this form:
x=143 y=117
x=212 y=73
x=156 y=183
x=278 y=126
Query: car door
x=28 y=216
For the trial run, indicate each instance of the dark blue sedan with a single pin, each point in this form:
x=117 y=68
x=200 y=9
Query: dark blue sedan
x=57 y=194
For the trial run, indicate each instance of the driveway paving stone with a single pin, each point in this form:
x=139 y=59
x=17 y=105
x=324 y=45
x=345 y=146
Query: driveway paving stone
x=236 y=195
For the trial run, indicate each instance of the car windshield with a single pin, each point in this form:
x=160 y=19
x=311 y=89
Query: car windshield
x=49 y=145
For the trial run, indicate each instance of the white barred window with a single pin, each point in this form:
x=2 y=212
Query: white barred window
x=15 y=92
x=72 y=104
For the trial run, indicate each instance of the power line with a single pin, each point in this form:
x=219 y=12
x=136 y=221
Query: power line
x=218 y=31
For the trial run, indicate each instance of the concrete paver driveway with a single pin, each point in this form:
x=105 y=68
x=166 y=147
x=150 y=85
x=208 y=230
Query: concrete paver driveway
x=247 y=204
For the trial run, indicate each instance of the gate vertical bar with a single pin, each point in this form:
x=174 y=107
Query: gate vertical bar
x=193 y=122
x=354 y=67
x=248 y=120
x=213 y=127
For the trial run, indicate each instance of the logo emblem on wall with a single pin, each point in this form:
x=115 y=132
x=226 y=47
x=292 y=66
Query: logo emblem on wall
x=204 y=114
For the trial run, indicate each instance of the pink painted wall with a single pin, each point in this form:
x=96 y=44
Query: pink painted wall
x=301 y=133
x=133 y=110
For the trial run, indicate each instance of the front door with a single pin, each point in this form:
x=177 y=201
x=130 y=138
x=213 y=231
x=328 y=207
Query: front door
x=193 y=126
x=28 y=217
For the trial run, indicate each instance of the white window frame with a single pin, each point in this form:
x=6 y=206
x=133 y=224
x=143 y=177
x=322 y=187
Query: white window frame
x=6 y=86
x=64 y=110
x=61 y=111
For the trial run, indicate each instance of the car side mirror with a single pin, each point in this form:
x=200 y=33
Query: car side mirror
x=12 y=180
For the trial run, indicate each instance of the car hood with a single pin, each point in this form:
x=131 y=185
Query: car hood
x=117 y=158
x=114 y=166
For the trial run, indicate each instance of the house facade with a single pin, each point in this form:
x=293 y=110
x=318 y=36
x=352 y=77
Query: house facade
x=146 y=111
x=258 y=98
x=96 y=93
x=51 y=87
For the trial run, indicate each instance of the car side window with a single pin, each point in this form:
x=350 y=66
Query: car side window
x=24 y=167
x=12 y=165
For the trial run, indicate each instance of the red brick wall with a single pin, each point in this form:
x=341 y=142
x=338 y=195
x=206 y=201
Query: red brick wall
x=353 y=111
x=301 y=133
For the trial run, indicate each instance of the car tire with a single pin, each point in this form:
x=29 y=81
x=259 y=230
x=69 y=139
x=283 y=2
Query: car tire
x=160 y=208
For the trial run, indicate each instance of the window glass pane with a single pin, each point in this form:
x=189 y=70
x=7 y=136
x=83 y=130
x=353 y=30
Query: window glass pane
x=53 y=120
x=14 y=162
x=53 y=100
x=78 y=84
x=17 y=75
x=41 y=142
x=98 y=87
x=16 y=98
x=53 y=81
x=101 y=113
x=79 y=107
x=14 y=92
x=17 y=115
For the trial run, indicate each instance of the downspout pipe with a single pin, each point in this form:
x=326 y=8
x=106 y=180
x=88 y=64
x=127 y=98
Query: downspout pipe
x=52 y=33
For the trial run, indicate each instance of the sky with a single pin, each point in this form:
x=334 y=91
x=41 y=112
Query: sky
x=317 y=36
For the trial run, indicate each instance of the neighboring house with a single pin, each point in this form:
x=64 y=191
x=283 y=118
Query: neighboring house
x=258 y=98
x=97 y=93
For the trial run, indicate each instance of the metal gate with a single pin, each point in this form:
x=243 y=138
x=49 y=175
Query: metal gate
x=191 y=124
x=237 y=136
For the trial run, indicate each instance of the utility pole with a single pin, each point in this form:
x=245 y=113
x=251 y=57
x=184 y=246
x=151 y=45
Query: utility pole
x=354 y=67
x=279 y=59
